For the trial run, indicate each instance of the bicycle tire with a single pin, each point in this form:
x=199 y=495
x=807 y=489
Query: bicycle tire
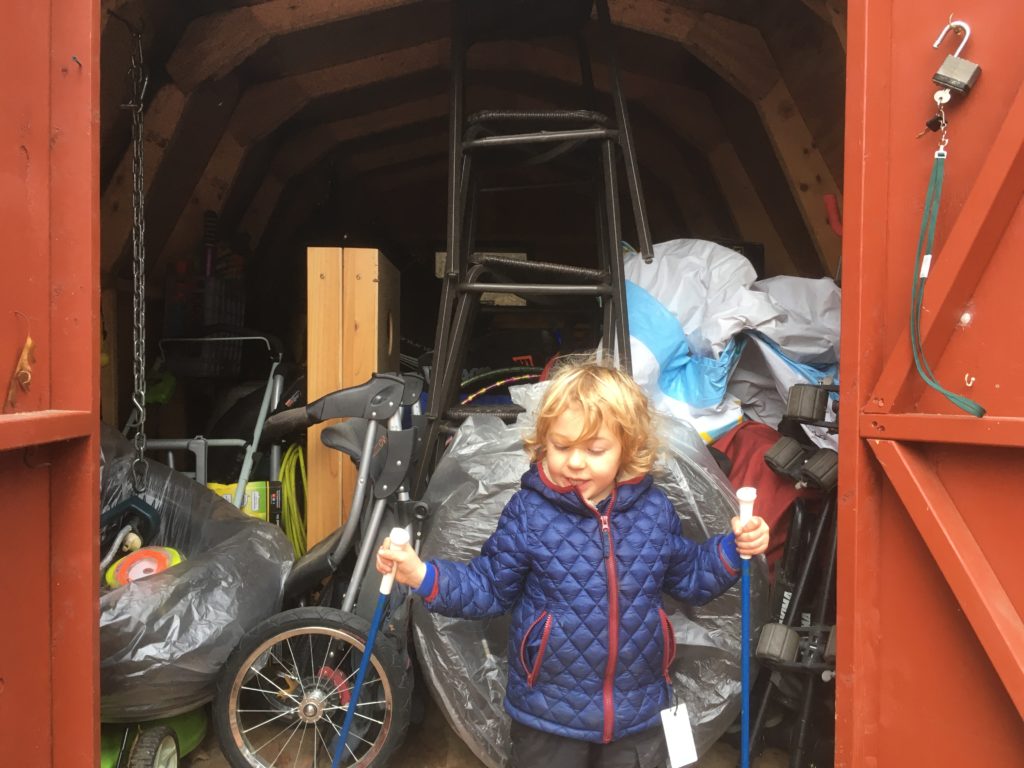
x=290 y=677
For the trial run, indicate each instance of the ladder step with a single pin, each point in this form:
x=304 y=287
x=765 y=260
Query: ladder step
x=507 y=413
x=515 y=268
x=581 y=116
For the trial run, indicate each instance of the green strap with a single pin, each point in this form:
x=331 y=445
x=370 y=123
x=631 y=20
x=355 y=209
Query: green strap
x=925 y=241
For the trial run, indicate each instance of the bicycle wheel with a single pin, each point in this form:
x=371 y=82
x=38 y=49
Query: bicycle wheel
x=284 y=692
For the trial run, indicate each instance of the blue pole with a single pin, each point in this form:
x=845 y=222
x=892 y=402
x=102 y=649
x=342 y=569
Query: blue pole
x=746 y=497
x=745 y=666
x=399 y=539
x=371 y=638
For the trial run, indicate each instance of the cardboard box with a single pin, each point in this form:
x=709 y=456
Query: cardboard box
x=262 y=498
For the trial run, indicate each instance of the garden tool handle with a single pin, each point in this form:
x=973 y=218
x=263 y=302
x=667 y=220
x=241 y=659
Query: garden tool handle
x=399 y=540
x=746 y=496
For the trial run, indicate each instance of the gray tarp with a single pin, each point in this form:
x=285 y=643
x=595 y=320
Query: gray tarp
x=164 y=638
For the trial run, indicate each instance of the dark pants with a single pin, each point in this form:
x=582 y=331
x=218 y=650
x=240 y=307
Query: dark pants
x=535 y=749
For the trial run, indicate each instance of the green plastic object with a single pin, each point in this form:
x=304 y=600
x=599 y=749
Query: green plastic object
x=160 y=388
x=190 y=728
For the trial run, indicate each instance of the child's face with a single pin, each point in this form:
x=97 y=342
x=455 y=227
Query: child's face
x=591 y=465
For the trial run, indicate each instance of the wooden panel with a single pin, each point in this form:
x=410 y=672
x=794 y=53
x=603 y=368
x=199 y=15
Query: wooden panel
x=352 y=332
x=930 y=599
x=49 y=473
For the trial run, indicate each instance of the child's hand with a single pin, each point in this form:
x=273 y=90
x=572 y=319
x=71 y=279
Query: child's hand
x=752 y=538
x=411 y=570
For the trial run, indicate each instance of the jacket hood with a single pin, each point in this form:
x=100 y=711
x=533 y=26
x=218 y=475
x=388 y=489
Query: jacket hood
x=566 y=497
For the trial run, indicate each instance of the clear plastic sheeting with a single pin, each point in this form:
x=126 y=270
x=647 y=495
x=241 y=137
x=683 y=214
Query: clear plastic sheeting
x=164 y=638
x=465 y=661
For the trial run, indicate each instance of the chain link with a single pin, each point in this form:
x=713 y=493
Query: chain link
x=137 y=81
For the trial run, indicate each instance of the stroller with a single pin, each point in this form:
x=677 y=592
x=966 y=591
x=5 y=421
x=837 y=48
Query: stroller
x=284 y=692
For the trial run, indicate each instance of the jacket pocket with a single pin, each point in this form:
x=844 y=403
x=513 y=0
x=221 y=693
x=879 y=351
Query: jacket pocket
x=536 y=635
x=668 y=636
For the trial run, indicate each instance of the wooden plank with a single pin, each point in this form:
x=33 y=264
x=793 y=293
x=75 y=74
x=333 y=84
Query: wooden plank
x=257 y=214
x=306 y=148
x=736 y=51
x=832 y=12
x=214 y=45
x=806 y=171
x=417 y=149
x=1005 y=431
x=859 y=520
x=266 y=106
x=323 y=374
x=352 y=332
x=209 y=193
x=655 y=17
x=689 y=109
x=22 y=430
x=964 y=564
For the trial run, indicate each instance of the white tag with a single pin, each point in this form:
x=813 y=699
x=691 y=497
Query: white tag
x=926 y=265
x=678 y=736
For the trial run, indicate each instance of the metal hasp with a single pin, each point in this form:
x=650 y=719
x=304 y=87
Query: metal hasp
x=956 y=73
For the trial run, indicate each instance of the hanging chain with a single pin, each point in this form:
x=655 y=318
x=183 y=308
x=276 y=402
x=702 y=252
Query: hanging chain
x=941 y=99
x=137 y=80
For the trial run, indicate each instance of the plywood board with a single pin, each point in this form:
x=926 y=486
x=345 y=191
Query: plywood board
x=352 y=332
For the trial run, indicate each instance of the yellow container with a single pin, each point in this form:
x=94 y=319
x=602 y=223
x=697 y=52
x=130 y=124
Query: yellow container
x=262 y=498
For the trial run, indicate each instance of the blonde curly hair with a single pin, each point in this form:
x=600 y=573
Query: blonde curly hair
x=606 y=396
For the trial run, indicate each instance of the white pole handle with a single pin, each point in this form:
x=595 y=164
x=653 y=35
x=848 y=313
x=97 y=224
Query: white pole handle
x=746 y=496
x=399 y=540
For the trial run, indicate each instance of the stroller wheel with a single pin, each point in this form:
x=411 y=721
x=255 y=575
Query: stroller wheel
x=156 y=747
x=283 y=694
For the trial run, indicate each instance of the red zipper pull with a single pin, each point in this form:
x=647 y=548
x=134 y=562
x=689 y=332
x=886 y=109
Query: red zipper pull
x=606 y=529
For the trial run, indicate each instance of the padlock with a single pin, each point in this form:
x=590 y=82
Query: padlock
x=956 y=73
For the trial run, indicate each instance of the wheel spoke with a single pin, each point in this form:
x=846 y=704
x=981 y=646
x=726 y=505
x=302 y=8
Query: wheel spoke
x=277 y=689
x=267 y=722
x=302 y=738
x=276 y=735
x=327 y=655
x=298 y=727
x=365 y=741
x=334 y=726
x=295 y=665
x=327 y=747
x=357 y=713
x=260 y=711
x=282 y=670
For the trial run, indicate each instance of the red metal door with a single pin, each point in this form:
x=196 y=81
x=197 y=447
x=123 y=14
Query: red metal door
x=49 y=468
x=931 y=642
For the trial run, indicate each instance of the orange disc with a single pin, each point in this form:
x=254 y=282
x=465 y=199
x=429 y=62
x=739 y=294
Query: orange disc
x=140 y=563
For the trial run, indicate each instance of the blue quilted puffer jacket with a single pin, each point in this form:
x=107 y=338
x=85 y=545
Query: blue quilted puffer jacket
x=590 y=644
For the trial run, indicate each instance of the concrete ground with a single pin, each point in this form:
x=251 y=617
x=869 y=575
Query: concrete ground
x=433 y=744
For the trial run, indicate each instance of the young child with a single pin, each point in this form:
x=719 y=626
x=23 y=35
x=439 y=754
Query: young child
x=581 y=556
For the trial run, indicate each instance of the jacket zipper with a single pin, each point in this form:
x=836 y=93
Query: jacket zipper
x=669 y=644
x=608 y=547
x=531 y=677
